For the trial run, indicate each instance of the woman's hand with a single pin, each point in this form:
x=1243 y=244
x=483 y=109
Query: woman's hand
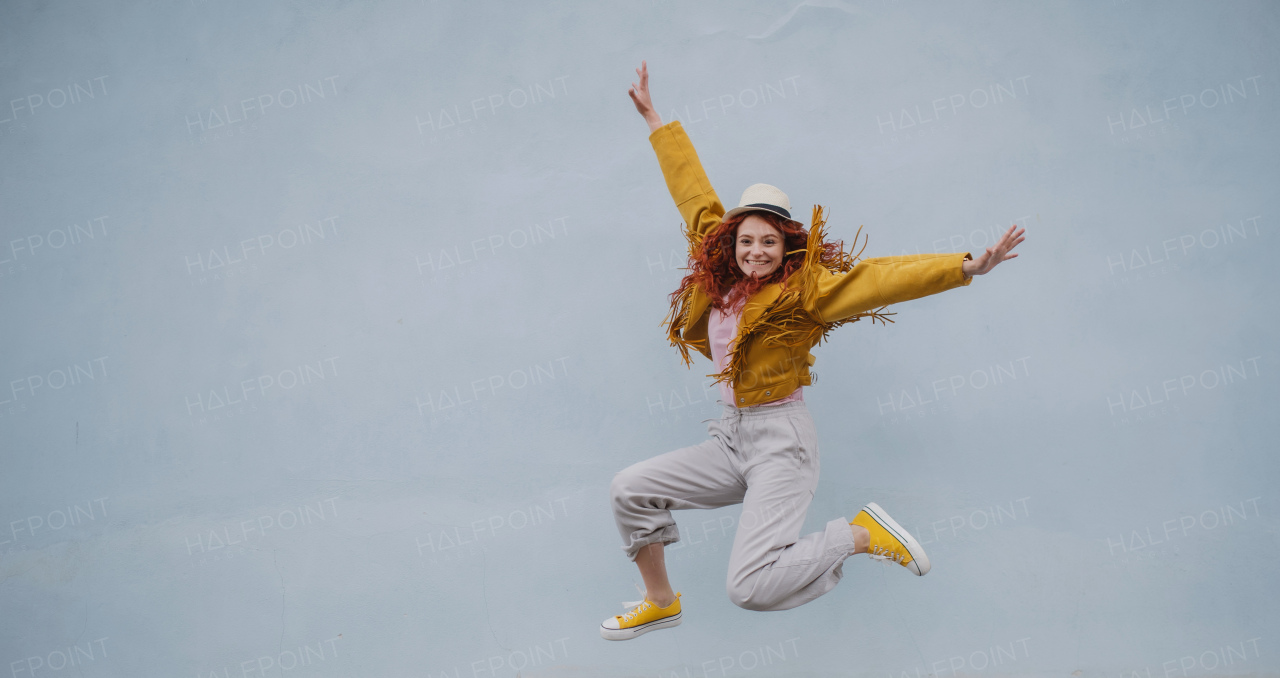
x=994 y=254
x=640 y=95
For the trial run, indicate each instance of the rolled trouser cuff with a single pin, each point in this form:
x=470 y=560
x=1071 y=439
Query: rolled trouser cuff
x=667 y=535
x=840 y=537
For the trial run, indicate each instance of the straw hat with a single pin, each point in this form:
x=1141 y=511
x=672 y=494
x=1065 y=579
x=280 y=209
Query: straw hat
x=764 y=197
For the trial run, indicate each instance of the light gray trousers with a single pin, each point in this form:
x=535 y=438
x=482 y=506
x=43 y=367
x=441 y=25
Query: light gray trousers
x=766 y=458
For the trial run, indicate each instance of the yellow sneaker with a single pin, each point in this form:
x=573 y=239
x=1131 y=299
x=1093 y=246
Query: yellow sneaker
x=889 y=541
x=646 y=617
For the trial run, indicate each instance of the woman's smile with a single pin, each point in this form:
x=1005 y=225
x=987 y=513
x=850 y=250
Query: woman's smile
x=759 y=246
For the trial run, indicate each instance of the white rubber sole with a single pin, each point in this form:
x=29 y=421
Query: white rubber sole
x=636 y=631
x=919 y=561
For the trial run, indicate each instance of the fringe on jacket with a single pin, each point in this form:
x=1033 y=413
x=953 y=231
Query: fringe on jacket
x=679 y=313
x=785 y=322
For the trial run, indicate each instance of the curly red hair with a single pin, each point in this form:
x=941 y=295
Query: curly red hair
x=714 y=266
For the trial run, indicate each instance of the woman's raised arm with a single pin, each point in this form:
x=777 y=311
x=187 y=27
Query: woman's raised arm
x=686 y=180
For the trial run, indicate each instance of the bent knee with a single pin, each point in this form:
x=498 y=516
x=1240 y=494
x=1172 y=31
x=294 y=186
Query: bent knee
x=746 y=599
x=624 y=486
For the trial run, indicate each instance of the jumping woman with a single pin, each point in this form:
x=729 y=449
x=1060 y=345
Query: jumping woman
x=761 y=291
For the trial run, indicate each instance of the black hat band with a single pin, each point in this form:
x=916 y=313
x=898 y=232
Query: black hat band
x=772 y=208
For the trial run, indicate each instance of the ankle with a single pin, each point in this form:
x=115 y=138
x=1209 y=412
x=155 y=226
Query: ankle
x=663 y=599
x=861 y=539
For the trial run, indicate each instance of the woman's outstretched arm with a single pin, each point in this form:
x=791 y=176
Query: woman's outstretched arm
x=687 y=182
x=884 y=281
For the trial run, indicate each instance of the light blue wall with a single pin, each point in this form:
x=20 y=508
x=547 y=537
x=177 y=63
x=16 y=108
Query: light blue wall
x=326 y=326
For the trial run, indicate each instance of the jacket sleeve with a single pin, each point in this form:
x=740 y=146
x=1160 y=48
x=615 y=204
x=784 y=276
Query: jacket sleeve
x=883 y=281
x=687 y=182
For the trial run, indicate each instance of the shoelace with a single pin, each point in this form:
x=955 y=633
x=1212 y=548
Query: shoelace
x=644 y=595
x=644 y=605
x=878 y=553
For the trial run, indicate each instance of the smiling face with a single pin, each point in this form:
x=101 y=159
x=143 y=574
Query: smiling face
x=759 y=247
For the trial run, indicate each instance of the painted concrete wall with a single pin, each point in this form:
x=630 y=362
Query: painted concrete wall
x=327 y=325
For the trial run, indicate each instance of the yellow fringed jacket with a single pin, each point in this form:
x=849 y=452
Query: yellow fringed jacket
x=769 y=358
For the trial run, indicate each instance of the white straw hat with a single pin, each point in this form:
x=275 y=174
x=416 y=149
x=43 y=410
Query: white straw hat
x=764 y=197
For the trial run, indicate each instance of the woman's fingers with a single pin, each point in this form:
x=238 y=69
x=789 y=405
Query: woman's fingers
x=1008 y=241
x=643 y=88
x=998 y=252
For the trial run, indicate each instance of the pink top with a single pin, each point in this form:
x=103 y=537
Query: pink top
x=721 y=329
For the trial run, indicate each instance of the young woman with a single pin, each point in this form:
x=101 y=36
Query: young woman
x=760 y=293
